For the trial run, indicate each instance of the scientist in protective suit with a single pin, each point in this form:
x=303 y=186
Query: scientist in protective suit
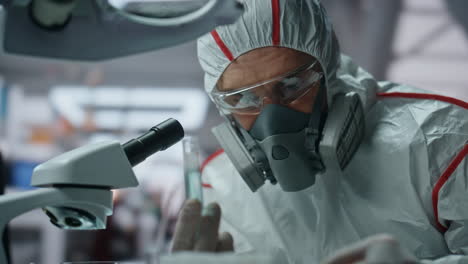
x=344 y=158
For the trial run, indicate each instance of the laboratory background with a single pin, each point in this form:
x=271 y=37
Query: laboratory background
x=48 y=107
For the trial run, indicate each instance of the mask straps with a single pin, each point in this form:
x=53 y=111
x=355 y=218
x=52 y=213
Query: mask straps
x=316 y=123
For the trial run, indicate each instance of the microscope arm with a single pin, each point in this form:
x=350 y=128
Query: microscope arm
x=97 y=203
x=110 y=33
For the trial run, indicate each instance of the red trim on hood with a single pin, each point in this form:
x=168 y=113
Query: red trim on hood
x=276 y=27
x=207 y=185
x=221 y=45
x=210 y=158
x=437 y=97
x=442 y=180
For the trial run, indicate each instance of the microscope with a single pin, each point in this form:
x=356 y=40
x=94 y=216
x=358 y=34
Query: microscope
x=75 y=188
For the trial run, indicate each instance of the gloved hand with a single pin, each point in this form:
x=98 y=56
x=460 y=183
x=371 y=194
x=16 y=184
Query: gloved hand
x=197 y=231
x=381 y=249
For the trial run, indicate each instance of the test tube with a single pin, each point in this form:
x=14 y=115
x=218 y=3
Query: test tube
x=192 y=175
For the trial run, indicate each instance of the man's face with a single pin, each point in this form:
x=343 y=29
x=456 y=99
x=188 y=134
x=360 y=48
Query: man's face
x=264 y=64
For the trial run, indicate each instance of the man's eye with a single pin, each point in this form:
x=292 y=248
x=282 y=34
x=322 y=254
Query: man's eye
x=291 y=87
x=233 y=100
x=288 y=89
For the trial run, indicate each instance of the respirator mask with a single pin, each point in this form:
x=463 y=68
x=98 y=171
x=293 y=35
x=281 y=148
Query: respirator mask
x=286 y=146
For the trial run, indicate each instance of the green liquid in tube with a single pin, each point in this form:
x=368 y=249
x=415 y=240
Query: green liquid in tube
x=192 y=175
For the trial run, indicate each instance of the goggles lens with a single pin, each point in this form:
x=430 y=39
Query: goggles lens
x=284 y=89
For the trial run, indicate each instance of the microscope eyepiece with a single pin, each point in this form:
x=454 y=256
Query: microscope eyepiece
x=158 y=138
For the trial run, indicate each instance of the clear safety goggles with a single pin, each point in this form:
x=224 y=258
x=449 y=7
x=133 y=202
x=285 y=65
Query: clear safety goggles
x=283 y=89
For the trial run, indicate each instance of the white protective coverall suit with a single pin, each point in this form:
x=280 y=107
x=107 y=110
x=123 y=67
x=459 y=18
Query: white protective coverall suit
x=409 y=177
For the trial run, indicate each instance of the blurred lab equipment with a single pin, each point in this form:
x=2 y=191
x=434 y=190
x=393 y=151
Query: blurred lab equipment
x=3 y=105
x=119 y=108
x=3 y=177
x=28 y=135
x=76 y=186
x=91 y=30
x=368 y=29
x=192 y=175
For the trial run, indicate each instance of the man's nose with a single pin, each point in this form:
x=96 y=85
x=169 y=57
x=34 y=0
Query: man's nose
x=271 y=98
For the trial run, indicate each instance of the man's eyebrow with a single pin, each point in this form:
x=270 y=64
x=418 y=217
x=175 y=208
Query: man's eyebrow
x=222 y=88
x=220 y=84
